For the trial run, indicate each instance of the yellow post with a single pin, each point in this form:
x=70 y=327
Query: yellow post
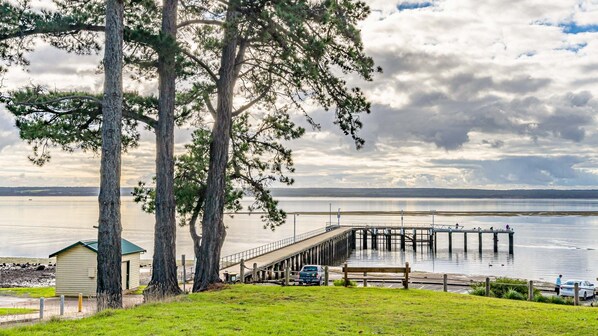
x=80 y=305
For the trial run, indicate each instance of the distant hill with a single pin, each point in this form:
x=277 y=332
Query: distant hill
x=55 y=191
x=341 y=192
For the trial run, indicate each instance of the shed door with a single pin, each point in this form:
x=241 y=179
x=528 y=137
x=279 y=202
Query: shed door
x=126 y=274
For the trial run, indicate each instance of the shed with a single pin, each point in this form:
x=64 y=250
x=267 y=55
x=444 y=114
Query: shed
x=76 y=267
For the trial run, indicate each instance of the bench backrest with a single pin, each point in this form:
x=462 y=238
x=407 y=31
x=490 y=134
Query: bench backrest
x=364 y=269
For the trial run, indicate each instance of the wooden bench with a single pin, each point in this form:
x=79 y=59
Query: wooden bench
x=365 y=270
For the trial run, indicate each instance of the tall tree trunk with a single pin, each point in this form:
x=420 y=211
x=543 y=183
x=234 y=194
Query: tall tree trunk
x=164 y=280
x=109 y=286
x=213 y=230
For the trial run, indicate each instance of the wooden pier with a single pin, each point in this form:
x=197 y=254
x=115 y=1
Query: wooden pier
x=396 y=238
x=335 y=245
x=329 y=248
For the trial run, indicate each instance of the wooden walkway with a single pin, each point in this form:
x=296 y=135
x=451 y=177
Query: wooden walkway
x=284 y=254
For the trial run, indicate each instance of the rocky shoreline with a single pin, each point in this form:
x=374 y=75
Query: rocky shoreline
x=27 y=274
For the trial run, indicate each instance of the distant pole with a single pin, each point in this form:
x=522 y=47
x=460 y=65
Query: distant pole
x=338 y=217
x=330 y=214
x=295 y=227
x=432 y=211
x=80 y=303
x=401 y=218
x=61 y=305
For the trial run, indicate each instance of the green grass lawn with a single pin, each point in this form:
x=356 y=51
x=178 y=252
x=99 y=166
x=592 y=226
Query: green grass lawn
x=16 y=311
x=261 y=310
x=32 y=292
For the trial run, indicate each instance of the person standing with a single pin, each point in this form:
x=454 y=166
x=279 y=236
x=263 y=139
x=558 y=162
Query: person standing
x=557 y=287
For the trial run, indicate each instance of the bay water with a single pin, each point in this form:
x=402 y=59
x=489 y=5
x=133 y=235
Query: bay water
x=545 y=246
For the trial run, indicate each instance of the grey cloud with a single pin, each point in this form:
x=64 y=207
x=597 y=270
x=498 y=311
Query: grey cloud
x=395 y=61
x=8 y=132
x=446 y=121
x=494 y=143
x=526 y=170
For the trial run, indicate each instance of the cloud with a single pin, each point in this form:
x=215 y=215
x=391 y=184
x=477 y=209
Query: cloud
x=8 y=132
x=526 y=170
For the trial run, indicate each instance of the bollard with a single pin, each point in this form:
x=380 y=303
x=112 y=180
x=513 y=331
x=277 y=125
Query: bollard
x=61 y=305
x=254 y=273
x=287 y=275
x=445 y=282
x=80 y=303
x=41 y=308
x=487 y=286
x=365 y=280
x=326 y=276
x=530 y=291
x=576 y=294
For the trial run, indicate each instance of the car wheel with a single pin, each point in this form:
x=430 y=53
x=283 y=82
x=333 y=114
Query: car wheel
x=300 y=283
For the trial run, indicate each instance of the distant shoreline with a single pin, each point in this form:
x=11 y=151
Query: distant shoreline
x=441 y=213
x=345 y=192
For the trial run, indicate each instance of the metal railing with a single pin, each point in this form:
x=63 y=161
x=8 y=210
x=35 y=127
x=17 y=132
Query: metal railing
x=233 y=259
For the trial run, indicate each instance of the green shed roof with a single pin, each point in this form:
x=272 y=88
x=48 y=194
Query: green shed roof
x=126 y=247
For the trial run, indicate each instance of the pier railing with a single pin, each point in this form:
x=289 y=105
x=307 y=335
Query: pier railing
x=233 y=259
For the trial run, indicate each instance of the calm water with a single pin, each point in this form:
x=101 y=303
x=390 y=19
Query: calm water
x=544 y=246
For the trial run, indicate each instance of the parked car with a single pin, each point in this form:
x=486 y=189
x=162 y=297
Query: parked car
x=311 y=274
x=586 y=289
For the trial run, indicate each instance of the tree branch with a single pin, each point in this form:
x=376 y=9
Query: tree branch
x=251 y=103
x=201 y=64
x=199 y=21
x=52 y=30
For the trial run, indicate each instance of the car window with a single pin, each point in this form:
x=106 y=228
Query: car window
x=310 y=268
x=570 y=283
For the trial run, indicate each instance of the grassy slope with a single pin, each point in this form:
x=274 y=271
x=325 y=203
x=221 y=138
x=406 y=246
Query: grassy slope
x=259 y=310
x=15 y=311
x=32 y=292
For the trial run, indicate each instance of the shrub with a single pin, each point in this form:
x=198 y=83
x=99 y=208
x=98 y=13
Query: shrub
x=481 y=291
x=512 y=294
x=561 y=300
x=501 y=286
x=341 y=282
x=541 y=298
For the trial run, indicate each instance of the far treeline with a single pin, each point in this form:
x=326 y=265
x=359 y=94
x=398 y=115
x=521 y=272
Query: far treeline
x=342 y=192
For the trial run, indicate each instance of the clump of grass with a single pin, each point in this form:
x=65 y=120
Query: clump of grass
x=138 y=291
x=512 y=294
x=341 y=282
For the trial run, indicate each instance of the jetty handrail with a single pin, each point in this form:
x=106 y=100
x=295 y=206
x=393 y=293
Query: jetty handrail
x=235 y=258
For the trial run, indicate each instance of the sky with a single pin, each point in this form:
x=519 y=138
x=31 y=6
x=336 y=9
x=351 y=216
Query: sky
x=494 y=94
